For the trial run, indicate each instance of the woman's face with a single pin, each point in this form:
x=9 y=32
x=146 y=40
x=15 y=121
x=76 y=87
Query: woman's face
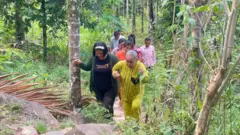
x=99 y=54
x=121 y=46
x=131 y=62
x=128 y=47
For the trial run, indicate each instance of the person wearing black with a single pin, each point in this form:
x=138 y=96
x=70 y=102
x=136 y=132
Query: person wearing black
x=101 y=81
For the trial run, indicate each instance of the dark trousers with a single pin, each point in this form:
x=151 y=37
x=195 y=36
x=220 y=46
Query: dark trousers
x=106 y=97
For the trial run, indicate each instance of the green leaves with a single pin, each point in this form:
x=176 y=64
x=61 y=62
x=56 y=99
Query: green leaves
x=202 y=8
x=193 y=62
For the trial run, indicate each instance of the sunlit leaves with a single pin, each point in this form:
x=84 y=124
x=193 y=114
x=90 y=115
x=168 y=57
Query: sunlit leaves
x=202 y=8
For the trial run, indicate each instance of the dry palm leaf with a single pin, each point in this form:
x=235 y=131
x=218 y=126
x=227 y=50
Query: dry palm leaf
x=21 y=87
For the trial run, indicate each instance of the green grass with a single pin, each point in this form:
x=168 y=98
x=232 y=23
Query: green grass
x=51 y=73
x=41 y=127
x=66 y=123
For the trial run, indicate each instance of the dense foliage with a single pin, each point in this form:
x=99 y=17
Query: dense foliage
x=167 y=99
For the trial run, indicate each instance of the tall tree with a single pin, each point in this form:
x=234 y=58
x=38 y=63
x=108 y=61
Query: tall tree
x=74 y=49
x=44 y=30
x=20 y=35
x=134 y=16
x=151 y=20
x=222 y=73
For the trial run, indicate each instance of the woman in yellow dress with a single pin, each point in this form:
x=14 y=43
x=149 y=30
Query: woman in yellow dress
x=133 y=76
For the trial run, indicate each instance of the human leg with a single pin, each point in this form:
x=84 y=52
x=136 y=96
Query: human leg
x=99 y=95
x=127 y=109
x=108 y=100
x=135 y=108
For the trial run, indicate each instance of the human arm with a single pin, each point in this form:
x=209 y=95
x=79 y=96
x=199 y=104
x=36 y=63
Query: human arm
x=114 y=60
x=86 y=66
x=117 y=69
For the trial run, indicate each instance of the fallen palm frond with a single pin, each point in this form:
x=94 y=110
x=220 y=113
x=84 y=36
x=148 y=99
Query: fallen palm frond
x=21 y=87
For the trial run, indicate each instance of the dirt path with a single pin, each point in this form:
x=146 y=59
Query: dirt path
x=118 y=111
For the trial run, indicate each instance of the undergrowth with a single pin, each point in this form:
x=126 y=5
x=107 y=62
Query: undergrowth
x=96 y=113
x=5 y=130
x=41 y=127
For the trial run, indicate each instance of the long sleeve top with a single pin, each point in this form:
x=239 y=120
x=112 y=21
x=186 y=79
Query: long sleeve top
x=89 y=66
x=128 y=90
x=148 y=55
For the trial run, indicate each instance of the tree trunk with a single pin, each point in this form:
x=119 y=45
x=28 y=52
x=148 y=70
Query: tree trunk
x=74 y=50
x=117 y=12
x=127 y=10
x=220 y=79
x=151 y=20
x=20 y=35
x=44 y=28
x=142 y=16
x=195 y=77
x=134 y=17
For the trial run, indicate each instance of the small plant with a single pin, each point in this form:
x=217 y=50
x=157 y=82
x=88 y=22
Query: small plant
x=16 y=107
x=6 y=131
x=67 y=123
x=41 y=127
x=96 y=113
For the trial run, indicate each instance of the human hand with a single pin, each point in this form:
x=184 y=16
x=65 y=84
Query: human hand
x=116 y=74
x=77 y=61
x=141 y=71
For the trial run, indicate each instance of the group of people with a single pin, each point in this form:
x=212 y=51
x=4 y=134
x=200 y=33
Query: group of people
x=120 y=71
x=119 y=46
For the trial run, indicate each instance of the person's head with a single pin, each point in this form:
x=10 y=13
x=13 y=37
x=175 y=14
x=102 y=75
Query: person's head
x=132 y=38
x=128 y=46
x=121 y=43
x=116 y=34
x=147 y=41
x=131 y=58
x=100 y=49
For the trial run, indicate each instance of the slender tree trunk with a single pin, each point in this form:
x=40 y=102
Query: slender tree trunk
x=148 y=13
x=117 y=11
x=185 y=30
x=142 y=16
x=156 y=12
x=44 y=28
x=134 y=17
x=185 y=34
x=195 y=77
x=219 y=80
x=74 y=49
x=151 y=20
x=20 y=35
x=127 y=10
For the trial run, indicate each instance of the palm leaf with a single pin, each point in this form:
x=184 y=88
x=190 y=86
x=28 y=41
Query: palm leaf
x=21 y=87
